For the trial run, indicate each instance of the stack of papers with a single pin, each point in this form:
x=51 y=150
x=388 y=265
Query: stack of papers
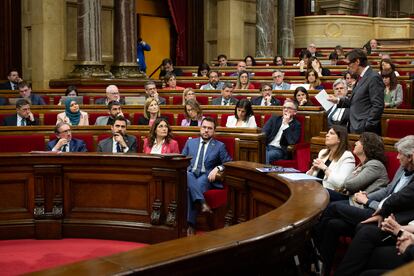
x=299 y=176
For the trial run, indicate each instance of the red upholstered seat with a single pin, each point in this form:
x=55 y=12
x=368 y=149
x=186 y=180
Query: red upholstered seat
x=216 y=198
x=86 y=137
x=399 y=128
x=50 y=118
x=46 y=99
x=2 y=116
x=224 y=119
x=94 y=115
x=392 y=163
x=314 y=101
x=22 y=143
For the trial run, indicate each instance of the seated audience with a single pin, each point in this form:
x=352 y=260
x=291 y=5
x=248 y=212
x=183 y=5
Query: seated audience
x=114 y=110
x=243 y=115
x=159 y=140
x=278 y=81
x=241 y=67
x=203 y=169
x=336 y=162
x=266 y=98
x=151 y=92
x=350 y=79
x=120 y=141
x=243 y=81
x=151 y=112
x=71 y=91
x=226 y=96
x=193 y=113
x=23 y=116
x=170 y=82
x=12 y=82
x=250 y=61
x=340 y=218
x=333 y=58
x=203 y=70
x=188 y=94
x=167 y=66
x=387 y=65
x=25 y=91
x=112 y=94
x=214 y=82
x=315 y=63
x=338 y=115
x=370 y=175
x=301 y=97
x=222 y=61
x=64 y=141
x=72 y=115
x=312 y=49
x=340 y=52
x=281 y=131
x=312 y=77
x=304 y=56
x=393 y=93
x=394 y=204
x=279 y=61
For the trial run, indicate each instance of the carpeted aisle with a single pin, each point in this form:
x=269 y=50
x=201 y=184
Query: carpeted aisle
x=23 y=256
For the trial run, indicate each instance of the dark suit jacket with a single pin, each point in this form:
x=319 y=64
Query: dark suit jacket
x=366 y=103
x=102 y=101
x=258 y=101
x=106 y=144
x=36 y=99
x=6 y=86
x=217 y=101
x=4 y=101
x=75 y=145
x=344 y=120
x=144 y=121
x=290 y=136
x=12 y=121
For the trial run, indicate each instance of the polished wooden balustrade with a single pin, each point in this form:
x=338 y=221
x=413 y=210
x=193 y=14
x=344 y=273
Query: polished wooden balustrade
x=110 y=196
x=272 y=216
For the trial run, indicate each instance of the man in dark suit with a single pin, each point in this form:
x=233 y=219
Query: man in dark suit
x=208 y=156
x=25 y=90
x=112 y=94
x=341 y=219
x=281 y=131
x=120 y=142
x=226 y=96
x=13 y=81
x=367 y=99
x=64 y=141
x=23 y=116
x=266 y=98
x=151 y=90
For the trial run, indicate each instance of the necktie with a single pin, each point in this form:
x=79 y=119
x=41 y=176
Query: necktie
x=118 y=147
x=65 y=148
x=14 y=87
x=225 y=102
x=23 y=122
x=197 y=171
x=265 y=103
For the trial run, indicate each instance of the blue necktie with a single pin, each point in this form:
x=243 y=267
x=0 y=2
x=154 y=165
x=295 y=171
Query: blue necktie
x=118 y=147
x=23 y=122
x=65 y=148
x=197 y=171
x=225 y=102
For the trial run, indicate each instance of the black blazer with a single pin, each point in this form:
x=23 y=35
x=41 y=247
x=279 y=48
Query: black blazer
x=6 y=86
x=258 y=101
x=290 y=136
x=12 y=121
x=144 y=121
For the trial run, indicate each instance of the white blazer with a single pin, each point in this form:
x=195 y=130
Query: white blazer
x=339 y=170
x=231 y=122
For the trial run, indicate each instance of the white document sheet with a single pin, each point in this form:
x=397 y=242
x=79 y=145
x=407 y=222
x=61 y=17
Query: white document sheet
x=322 y=98
x=298 y=176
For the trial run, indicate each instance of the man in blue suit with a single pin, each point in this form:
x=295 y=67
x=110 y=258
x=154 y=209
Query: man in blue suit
x=209 y=155
x=64 y=141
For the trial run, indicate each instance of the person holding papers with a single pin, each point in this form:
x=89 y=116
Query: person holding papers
x=335 y=163
x=338 y=115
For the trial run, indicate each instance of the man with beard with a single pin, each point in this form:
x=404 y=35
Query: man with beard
x=214 y=82
x=114 y=110
x=120 y=142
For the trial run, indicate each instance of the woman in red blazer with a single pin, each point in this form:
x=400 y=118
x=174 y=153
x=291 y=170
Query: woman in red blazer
x=159 y=139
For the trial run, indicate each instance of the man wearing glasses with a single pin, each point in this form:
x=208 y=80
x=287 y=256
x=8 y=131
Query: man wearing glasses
x=112 y=94
x=64 y=141
x=266 y=98
x=281 y=131
x=278 y=83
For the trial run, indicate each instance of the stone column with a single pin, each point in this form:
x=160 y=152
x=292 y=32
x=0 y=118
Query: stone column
x=380 y=8
x=286 y=28
x=265 y=28
x=366 y=7
x=125 y=41
x=89 y=41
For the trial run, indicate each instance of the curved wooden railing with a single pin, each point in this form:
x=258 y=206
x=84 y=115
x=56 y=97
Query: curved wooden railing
x=276 y=214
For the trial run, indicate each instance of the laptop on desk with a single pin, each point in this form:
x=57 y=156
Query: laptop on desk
x=135 y=100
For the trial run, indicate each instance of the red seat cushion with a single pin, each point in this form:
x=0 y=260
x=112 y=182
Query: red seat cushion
x=22 y=143
x=230 y=144
x=50 y=118
x=216 y=197
x=399 y=128
x=392 y=163
x=94 y=115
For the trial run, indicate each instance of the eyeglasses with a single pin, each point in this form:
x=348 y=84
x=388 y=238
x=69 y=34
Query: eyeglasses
x=277 y=76
x=267 y=89
x=289 y=108
x=65 y=131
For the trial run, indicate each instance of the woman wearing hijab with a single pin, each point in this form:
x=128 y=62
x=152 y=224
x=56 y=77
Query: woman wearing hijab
x=72 y=114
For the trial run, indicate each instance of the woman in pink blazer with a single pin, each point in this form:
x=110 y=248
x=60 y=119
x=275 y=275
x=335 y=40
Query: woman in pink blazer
x=159 y=140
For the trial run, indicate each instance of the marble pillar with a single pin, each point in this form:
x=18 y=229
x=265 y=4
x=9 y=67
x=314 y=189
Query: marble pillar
x=89 y=51
x=286 y=28
x=125 y=41
x=265 y=28
x=366 y=7
x=380 y=8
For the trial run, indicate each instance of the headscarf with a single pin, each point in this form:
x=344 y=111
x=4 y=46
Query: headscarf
x=74 y=117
